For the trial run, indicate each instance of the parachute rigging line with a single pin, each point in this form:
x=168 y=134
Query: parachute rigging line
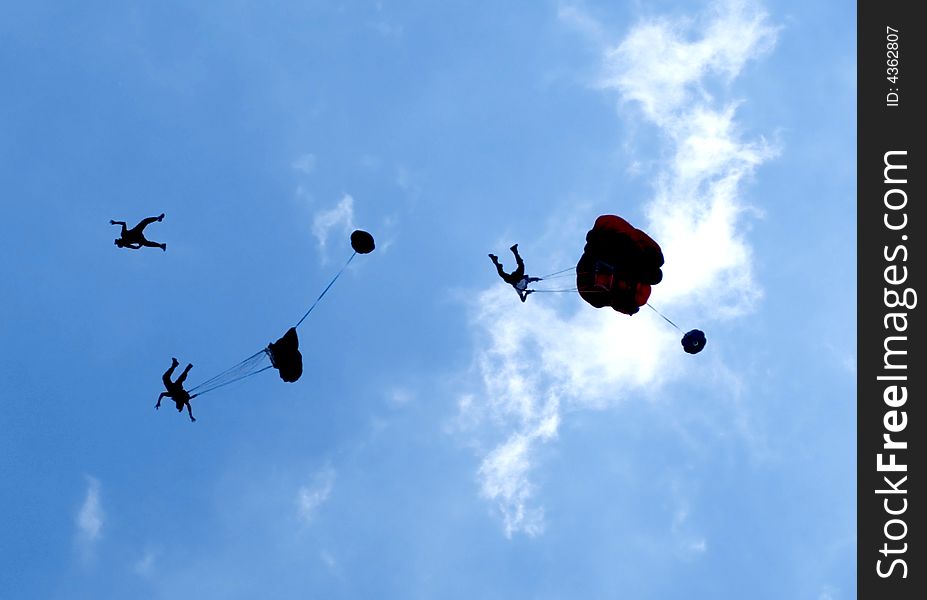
x=551 y=275
x=216 y=387
x=243 y=369
x=337 y=275
x=664 y=316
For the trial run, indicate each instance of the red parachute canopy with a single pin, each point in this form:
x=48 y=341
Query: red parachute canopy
x=618 y=265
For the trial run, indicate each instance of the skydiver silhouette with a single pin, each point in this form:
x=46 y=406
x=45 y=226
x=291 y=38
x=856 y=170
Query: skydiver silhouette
x=517 y=278
x=175 y=391
x=134 y=238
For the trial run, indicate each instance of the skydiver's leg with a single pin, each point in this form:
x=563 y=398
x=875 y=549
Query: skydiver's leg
x=148 y=221
x=190 y=410
x=518 y=260
x=183 y=376
x=520 y=271
x=495 y=261
x=150 y=244
x=166 y=378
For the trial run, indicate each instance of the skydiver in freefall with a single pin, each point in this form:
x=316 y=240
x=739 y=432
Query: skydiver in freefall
x=175 y=391
x=517 y=278
x=134 y=238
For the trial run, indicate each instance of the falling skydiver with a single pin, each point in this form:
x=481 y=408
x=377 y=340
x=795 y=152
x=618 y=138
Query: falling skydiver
x=175 y=391
x=135 y=238
x=517 y=278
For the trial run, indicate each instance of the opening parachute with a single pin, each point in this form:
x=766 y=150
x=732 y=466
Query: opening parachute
x=618 y=268
x=618 y=265
x=282 y=354
x=285 y=357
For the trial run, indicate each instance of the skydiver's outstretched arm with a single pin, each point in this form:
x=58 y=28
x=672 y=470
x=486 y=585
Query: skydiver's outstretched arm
x=123 y=223
x=158 y=405
x=533 y=279
x=190 y=410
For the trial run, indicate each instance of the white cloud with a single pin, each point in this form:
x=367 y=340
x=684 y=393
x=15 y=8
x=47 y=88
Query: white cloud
x=340 y=216
x=305 y=164
x=829 y=592
x=536 y=364
x=575 y=17
x=90 y=519
x=408 y=181
x=399 y=397
x=310 y=497
x=145 y=566
x=387 y=29
x=662 y=64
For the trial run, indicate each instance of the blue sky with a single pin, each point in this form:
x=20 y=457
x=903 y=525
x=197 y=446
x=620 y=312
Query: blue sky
x=445 y=440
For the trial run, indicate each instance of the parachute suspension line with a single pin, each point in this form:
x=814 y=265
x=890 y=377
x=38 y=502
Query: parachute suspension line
x=223 y=384
x=331 y=283
x=664 y=316
x=573 y=290
x=230 y=371
x=549 y=276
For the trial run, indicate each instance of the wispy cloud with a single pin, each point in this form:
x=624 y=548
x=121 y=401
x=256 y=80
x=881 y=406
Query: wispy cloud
x=663 y=64
x=311 y=496
x=305 y=163
x=505 y=481
x=338 y=218
x=90 y=519
x=829 y=592
x=536 y=364
x=145 y=566
x=575 y=17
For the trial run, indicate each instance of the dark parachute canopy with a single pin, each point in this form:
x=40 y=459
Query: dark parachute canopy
x=693 y=341
x=362 y=242
x=284 y=354
x=618 y=265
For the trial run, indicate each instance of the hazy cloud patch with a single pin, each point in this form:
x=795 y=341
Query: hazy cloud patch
x=339 y=218
x=312 y=495
x=90 y=519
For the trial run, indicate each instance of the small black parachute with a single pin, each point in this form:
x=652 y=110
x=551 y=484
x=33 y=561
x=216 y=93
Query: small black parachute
x=693 y=341
x=362 y=242
x=285 y=356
